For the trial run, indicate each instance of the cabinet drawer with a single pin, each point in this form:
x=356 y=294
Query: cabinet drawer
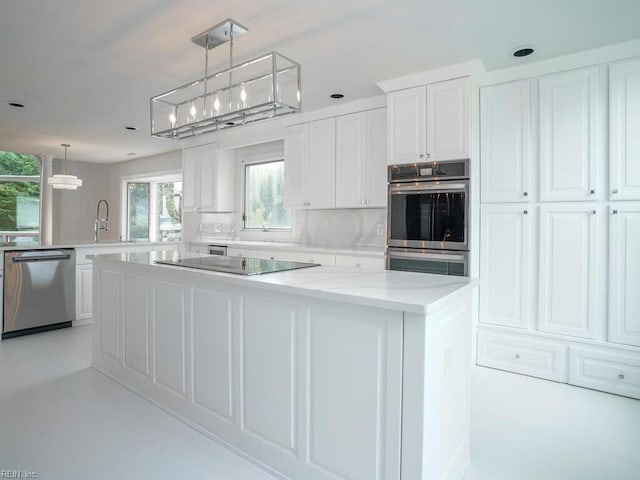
x=314 y=257
x=537 y=358
x=614 y=372
x=370 y=263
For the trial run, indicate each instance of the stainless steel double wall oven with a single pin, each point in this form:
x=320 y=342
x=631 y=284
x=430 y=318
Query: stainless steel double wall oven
x=428 y=216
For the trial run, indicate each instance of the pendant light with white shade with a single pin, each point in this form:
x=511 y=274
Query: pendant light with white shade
x=64 y=181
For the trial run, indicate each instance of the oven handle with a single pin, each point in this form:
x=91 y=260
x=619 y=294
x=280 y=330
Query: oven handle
x=429 y=256
x=449 y=187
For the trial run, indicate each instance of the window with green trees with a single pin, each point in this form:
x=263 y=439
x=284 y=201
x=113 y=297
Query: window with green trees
x=154 y=210
x=19 y=196
x=264 y=196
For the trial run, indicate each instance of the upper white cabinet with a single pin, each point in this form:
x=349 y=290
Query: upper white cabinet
x=571 y=134
x=448 y=119
x=505 y=142
x=430 y=121
x=568 y=275
x=310 y=162
x=505 y=265
x=624 y=124
x=361 y=166
x=624 y=274
x=208 y=180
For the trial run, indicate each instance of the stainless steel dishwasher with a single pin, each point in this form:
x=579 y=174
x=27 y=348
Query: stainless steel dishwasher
x=39 y=290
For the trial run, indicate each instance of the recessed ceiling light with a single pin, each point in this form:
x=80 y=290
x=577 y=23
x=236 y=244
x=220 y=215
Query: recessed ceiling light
x=130 y=127
x=337 y=96
x=523 y=52
x=16 y=104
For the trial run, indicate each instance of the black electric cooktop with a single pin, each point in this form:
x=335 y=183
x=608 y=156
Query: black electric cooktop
x=237 y=265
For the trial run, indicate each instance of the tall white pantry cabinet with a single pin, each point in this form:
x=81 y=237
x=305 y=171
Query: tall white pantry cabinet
x=560 y=227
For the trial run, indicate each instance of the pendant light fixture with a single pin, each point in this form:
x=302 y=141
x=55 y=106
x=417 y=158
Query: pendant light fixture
x=258 y=89
x=64 y=181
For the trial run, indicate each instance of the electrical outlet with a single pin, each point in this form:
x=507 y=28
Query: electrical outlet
x=379 y=229
x=218 y=227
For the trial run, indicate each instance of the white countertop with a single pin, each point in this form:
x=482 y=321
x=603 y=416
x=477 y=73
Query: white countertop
x=406 y=291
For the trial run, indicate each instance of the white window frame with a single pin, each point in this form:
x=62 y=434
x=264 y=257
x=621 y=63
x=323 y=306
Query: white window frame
x=161 y=177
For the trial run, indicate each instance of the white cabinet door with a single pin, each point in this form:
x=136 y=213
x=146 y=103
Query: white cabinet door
x=310 y=165
x=84 y=291
x=505 y=265
x=320 y=164
x=295 y=141
x=624 y=274
x=624 y=124
x=406 y=110
x=189 y=180
x=351 y=159
x=569 y=259
x=505 y=142
x=202 y=175
x=361 y=165
x=571 y=134
x=448 y=119
x=376 y=177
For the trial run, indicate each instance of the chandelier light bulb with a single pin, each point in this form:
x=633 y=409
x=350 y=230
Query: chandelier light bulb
x=216 y=105
x=243 y=96
x=192 y=111
x=172 y=119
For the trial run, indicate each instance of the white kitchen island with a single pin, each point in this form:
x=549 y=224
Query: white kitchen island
x=321 y=373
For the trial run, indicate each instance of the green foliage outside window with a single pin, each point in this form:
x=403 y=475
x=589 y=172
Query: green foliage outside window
x=19 y=199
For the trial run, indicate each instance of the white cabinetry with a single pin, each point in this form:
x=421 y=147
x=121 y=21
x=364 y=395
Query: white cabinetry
x=601 y=369
x=505 y=142
x=624 y=133
x=361 y=166
x=84 y=291
x=310 y=159
x=571 y=134
x=624 y=274
x=208 y=180
x=431 y=122
x=569 y=259
x=505 y=265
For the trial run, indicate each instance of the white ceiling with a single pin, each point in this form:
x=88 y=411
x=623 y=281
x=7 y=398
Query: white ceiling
x=87 y=68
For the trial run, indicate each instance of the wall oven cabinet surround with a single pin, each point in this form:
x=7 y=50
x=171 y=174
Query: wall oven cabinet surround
x=310 y=165
x=208 y=180
x=429 y=122
x=361 y=163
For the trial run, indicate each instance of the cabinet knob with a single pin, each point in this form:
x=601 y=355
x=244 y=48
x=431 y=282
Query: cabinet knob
x=614 y=191
x=526 y=212
x=517 y=355
x=621 y=376
x=592 y=192
x=593 y=212
x=361 y=202
x=366 y=202
x=615 y=212
x=525 y=194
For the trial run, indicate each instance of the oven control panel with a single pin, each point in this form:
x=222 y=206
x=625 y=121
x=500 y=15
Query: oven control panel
x=420 y=172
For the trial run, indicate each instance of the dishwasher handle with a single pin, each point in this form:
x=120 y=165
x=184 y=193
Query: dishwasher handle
x=48 y=258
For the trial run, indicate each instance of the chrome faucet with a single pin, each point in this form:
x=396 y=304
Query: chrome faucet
x=101 y=223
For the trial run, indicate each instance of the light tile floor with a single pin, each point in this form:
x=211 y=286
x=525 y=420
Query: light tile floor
x=62 y=420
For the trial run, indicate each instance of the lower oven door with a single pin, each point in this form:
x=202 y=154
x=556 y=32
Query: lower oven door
x=428 y=261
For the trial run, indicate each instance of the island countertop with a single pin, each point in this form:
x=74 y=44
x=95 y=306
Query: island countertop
x=401 y=291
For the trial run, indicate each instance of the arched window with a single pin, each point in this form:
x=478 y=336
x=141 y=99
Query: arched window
x=19 y=197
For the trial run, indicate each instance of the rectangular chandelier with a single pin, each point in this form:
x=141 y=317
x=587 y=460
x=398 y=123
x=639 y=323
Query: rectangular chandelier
x=258 y=89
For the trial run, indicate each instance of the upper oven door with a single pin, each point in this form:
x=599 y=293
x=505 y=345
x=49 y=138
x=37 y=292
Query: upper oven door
x=429 y=215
